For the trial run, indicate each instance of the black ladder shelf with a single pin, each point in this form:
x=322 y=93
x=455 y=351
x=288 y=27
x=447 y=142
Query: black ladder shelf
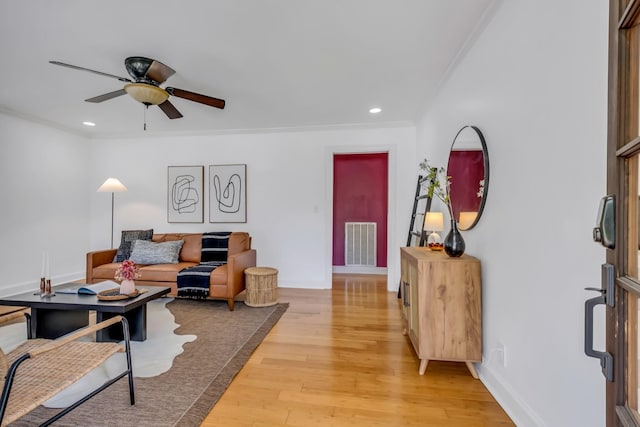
x=418 y=213
x=419 y=234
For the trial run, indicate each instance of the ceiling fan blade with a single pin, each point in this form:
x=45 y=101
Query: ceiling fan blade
x=196 y=97
x=106 y=96
x=171 y=111
x=75 y=67
x=159 y=72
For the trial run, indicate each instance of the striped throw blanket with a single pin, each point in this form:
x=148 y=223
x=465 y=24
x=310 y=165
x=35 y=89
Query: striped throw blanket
x=193 y=282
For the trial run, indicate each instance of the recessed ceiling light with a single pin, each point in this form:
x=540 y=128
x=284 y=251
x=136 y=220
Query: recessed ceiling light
x=88 y=123
x=375 y=110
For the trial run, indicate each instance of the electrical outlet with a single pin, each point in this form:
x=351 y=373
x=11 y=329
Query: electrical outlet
x=497 y=356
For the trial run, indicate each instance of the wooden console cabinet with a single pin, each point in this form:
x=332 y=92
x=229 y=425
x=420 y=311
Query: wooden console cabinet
x=441 y=306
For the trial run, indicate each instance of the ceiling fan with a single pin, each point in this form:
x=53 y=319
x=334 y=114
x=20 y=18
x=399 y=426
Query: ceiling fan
x=148 y=74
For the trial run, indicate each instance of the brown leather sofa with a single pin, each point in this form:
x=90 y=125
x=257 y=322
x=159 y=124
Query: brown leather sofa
x=225 y=281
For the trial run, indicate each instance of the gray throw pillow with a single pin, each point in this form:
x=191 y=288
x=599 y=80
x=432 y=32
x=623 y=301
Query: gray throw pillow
x=128 y=237
x=145 y=252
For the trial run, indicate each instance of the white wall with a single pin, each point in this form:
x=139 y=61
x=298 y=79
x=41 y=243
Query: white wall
x=535 y=83
x=51 y=204
x=45 y=203
x=289 y=194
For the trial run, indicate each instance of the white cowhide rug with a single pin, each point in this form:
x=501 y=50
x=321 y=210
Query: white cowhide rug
x=149 y=358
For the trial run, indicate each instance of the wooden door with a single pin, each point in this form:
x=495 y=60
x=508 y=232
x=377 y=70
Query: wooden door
x=623 y=149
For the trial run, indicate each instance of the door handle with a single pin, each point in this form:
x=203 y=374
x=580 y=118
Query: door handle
x=606 y=297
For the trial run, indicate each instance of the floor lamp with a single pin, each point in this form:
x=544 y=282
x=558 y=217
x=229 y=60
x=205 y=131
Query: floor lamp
x=112 y=185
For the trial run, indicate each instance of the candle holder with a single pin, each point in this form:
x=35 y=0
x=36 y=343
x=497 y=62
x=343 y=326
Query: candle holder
x=48 y=291
x=45 y=281
x=43 y=285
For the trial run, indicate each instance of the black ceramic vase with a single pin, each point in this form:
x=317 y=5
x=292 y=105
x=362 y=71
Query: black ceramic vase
x=454 y=243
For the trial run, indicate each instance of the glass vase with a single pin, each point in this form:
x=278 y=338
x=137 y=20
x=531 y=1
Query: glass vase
x=454 y=243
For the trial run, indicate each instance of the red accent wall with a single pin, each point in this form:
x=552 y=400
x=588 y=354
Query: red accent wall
x=360 y=194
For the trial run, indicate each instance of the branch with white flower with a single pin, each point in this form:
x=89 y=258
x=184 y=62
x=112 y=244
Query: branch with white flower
x=438 y=183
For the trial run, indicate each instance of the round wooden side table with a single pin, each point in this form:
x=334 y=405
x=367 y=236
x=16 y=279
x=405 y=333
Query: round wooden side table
x=262 y=286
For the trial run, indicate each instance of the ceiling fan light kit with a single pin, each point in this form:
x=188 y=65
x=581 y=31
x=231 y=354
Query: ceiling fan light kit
x=146 y=93
x=148 y=74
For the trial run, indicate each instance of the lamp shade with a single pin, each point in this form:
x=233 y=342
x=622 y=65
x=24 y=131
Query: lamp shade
x=434 y=221
x=112 y=185
x=146 y=93
x=466 y=219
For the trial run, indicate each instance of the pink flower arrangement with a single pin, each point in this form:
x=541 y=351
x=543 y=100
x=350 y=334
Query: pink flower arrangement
x=127 y=271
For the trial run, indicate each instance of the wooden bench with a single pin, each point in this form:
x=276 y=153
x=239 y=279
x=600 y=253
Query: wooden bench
x=38 y=369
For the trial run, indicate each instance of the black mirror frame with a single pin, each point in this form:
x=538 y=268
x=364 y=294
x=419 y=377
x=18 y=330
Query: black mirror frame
x=485 y=155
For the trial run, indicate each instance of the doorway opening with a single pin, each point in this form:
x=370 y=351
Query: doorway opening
x=360 y=213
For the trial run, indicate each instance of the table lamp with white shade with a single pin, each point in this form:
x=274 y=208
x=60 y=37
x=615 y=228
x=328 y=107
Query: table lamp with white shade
x=112 y=185
x=434 y=222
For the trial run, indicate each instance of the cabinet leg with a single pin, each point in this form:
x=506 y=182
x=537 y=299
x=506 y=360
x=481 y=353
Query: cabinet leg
x=472 y=369
x=423 y=366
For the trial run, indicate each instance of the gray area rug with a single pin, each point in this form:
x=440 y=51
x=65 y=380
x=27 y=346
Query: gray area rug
x=185 y=394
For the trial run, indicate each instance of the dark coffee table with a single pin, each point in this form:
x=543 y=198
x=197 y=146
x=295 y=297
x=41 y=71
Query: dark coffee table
x=54 y=316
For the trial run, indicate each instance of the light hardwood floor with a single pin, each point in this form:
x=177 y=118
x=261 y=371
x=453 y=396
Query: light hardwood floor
x=338 y=358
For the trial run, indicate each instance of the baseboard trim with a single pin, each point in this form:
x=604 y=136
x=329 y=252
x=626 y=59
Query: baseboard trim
x=343 y=269
x=34 y=285
x=512 y=403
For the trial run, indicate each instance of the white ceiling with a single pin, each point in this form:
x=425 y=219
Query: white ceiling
x=277 y=63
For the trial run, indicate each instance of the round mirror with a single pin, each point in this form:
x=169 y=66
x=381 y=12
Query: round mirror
x=468 y=169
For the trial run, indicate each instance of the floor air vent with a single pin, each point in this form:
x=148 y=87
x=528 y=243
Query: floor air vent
x=360 y=244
